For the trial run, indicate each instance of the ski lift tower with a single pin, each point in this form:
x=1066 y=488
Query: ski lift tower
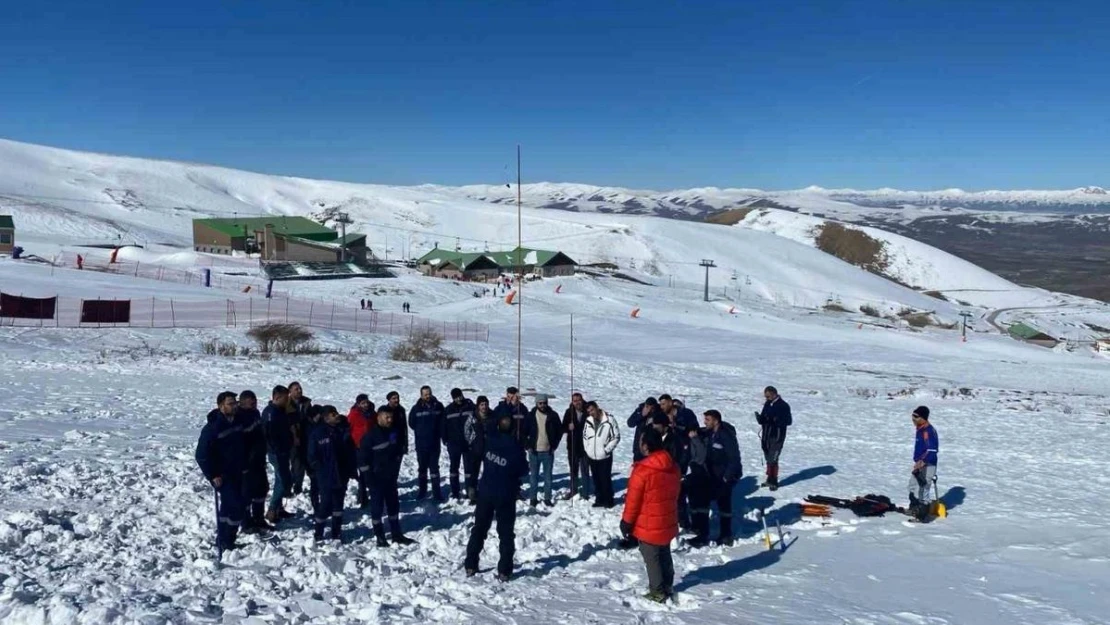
x=343 y=219
x=707 y=264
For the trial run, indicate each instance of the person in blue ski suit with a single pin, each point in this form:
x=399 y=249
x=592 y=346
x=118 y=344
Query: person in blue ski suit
x=455 y=417
x=925 y=448
x=379 y=465
x=331 y=456
x=426 y=421
x=503 y=465
x=221 y=455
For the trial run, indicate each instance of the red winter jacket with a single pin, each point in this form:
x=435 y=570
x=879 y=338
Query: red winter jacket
x=651 y=504
x=360 y=424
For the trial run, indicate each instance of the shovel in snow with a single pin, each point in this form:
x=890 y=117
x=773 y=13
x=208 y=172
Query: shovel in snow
x=939 y=509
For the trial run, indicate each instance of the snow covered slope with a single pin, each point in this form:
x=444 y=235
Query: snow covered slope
x=104 y=517
x=60 y=196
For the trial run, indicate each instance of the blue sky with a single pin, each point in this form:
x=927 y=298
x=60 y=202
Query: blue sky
x=905 y=93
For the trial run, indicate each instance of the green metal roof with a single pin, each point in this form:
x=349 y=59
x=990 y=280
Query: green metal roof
x=288 y=226
x=6 y=222
x=506 y=259
x=1026 y=332
x=350 y=238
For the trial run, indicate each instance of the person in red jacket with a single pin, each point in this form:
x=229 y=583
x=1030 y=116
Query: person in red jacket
x=651 y=512
x=361 y=419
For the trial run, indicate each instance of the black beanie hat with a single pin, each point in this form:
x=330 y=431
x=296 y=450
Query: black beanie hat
x=482 y=399
x=921 y=411
x=456 y=392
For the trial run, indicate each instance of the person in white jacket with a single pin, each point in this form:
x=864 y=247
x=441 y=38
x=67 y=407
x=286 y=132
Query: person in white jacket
x=600 y=436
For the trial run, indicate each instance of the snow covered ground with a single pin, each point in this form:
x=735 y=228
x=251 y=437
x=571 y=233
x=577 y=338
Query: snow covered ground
x=104 y=517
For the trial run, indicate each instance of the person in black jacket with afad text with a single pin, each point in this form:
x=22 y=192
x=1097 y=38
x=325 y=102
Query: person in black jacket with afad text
x=773 y=421
x=502 y=466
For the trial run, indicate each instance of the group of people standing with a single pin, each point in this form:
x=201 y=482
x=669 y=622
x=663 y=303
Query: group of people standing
x=679 y=463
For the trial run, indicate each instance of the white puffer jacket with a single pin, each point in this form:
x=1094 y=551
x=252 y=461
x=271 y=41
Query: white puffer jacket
x=600 y=438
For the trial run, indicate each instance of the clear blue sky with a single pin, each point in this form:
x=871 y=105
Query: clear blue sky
x=772 y=94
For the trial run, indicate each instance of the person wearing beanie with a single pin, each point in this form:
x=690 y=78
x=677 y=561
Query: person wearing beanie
x=474 y=432
x=925 y=448
x=773 y=421
x=455 y=416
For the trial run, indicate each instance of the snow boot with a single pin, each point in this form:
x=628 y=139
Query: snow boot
x=656 y=596
x=318 y=532
x=502 y=577
x=337 y=528
x=548 y=503
x=698 y=542
x=471 y=572
x=272 y=516
x=379 y=535
x=725 y=540
x=533 y=503
x=398 y=537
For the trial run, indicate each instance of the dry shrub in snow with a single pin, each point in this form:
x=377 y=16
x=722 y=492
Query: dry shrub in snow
x=425 y=345
x=283 y=338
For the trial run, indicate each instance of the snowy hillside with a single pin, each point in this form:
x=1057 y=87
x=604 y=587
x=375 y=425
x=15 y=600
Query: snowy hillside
x=64 y=197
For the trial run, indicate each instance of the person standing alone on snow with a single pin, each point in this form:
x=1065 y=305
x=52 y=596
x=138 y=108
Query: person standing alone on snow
x=502 y=467
x=651 y=513
x=925 y=448
x=774 y=419
x=426 y=421
x=331 y=458
x=222 y=456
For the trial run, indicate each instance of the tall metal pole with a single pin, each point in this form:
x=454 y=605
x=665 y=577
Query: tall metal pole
x=572 y=354
x=520 y=272
x=707 y=264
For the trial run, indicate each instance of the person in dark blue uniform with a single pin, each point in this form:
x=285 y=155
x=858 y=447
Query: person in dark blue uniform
x=455 y=417
x=331 y=456
x=716 y=467
x=379 y=464
x=222 y=456
x=278 y=428
x=426 y=421
x=773 y=421
x=256 y=485
x=503 y=465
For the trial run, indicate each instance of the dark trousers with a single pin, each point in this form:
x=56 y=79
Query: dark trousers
x=505 y=514
x=660 y=567
x=283 y=480
x=313 y=492
x=772 y=449
x=704 y=491
x=683 y=504
x=231 y=512
x=455 y=456
x=383 y=498
x=427 y=462
x=579 y=466
x=363 y=494
x=328 y=506
x=255 y=488
x=472 y=465
x=602 y=471
x=298 y=467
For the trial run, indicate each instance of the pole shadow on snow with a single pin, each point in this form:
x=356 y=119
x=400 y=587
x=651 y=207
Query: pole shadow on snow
x=545 y=565
x=729 y=570
x=954 y=497
x=807 y=474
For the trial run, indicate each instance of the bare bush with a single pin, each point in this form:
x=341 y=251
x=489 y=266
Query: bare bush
x=835 y=306
x=213 y=347
x=919 y=320
x=870 y=311
x=852 y=246
x=424 y=345
x=937 y=295
x=283 y=338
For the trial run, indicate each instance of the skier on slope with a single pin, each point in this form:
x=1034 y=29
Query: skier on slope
x=474 y=431
x=379 y=465
x=221 y=454
x=773 y=420
x=925 y=448
x=715 y=469
x=255 y=486
x=360 y=419
x=331 y=456
x=426 y=421
x=502 y=467
x=574 y=419
x=651 y=513
x=279 y=448
x=455 y=416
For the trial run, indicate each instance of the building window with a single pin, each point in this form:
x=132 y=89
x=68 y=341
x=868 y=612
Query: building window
x=5 y=238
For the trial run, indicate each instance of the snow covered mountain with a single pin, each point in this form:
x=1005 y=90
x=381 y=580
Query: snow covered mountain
x=65 y=197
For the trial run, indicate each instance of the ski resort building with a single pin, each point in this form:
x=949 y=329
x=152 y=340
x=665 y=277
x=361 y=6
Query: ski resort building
x=1029 y=334
x=7 y=234
x=488 y=265
x=278 y=238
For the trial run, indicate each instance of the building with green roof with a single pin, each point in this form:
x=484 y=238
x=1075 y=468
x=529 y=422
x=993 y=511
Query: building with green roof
x=7 y=234
x=277 y=238
x=481 y=265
